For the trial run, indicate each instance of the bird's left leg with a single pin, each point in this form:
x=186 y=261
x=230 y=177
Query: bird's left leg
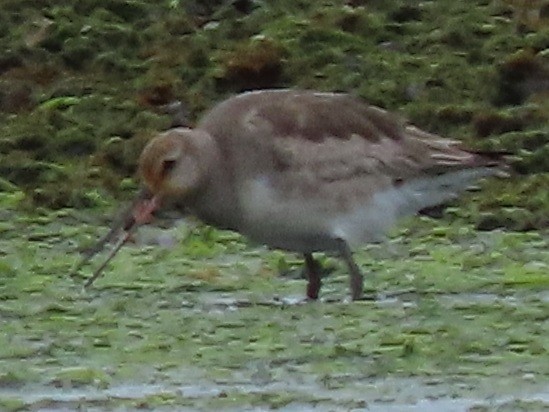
x=356 y=281
x=312 y=269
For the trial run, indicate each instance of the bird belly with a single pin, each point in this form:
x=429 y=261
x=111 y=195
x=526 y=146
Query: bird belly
x=307 y=224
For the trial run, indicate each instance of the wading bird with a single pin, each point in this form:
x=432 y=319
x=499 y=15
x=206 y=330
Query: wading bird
x=302 y=171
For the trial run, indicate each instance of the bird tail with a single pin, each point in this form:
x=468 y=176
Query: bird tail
x=447 y=155
x=446 y=170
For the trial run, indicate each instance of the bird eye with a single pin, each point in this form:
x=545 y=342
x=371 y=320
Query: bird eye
x=168 y=166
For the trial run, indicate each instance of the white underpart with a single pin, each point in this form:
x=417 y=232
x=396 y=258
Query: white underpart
x=271 y=217
x=370 y=223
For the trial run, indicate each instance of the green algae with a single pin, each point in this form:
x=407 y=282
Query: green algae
x=213 y=316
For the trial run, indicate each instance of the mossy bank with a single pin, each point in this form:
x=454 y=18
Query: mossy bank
x=83 y=87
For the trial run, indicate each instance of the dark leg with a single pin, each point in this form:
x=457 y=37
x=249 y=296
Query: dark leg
x=312 y=269
x=356 y=281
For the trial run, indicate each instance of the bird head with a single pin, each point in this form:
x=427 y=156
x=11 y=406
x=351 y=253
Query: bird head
x=176 y=163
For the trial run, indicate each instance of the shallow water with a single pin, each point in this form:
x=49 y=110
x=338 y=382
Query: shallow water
x=399 y=394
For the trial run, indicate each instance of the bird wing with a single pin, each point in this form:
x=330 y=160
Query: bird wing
x=329 y=138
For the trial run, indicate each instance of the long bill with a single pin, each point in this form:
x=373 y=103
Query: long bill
x=139 y=213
